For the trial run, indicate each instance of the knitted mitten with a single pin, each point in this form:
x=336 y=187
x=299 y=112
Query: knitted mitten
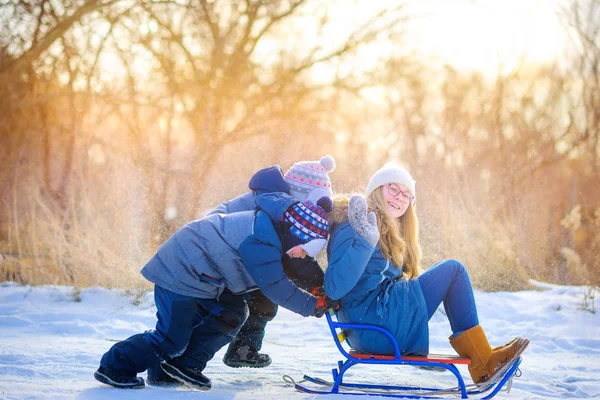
x=363 y=224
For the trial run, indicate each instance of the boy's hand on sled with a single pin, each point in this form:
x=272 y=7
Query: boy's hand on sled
x=363 y=224
x=324 y=303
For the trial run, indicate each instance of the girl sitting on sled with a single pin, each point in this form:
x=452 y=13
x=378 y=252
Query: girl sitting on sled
x=374 y=272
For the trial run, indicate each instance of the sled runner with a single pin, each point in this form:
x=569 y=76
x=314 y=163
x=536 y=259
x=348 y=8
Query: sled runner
x=431 y=361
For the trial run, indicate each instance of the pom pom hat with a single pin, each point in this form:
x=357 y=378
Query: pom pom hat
x=308 y=225
x=391 y=173
x=309 y=180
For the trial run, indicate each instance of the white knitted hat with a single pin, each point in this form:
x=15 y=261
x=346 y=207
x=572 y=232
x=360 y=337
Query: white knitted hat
x=391 y=173
x=309 y=180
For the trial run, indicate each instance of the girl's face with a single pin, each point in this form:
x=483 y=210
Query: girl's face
x=397 y=198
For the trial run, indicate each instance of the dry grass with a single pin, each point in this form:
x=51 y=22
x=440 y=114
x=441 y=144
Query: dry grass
x=461 y=224
x=89 y=247
x=102 y=236
x=82 y=246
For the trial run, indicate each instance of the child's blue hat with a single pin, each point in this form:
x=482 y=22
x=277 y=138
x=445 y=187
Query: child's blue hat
x=308 y=225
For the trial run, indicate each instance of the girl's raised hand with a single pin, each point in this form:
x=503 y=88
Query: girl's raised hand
x=363 y=224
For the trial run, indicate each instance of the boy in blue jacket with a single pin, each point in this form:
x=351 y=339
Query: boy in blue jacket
x=201 y=275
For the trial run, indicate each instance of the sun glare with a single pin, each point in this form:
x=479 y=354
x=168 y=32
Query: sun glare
x=487 y=35
x=490 y=36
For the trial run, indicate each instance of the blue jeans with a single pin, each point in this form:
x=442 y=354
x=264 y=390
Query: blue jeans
x=448 y=281
x=214 y=323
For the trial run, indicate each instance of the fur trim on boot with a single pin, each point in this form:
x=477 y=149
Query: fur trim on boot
x=485 y=360
x=506 y=344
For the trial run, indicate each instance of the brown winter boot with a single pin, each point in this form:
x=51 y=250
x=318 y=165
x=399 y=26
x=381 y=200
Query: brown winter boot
x=506 y=345
x=485 y=360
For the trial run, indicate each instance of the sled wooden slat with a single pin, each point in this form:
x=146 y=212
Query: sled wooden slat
x=439 y=358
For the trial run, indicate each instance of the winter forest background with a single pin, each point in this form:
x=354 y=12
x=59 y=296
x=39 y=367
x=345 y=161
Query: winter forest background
x=121 y=120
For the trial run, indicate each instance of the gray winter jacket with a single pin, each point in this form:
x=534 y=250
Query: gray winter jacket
x=201 y=259
x=240 y=251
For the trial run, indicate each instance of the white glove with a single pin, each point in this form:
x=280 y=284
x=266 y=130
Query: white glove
x=363 y=224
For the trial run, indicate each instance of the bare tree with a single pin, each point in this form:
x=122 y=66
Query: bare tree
x=208 y=60
x=217 y=73
x=583 y=21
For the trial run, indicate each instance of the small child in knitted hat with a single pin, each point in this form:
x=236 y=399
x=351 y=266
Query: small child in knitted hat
x=305 y=180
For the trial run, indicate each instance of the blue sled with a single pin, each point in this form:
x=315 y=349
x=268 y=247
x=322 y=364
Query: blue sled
x=438 y=362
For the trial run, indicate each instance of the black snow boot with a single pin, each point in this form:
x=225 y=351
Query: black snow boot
x=119 y=381
x=191 y=377
x=241 y=355
x=160 y=378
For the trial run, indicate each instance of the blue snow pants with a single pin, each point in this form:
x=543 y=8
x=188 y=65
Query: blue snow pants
x=448 y=282
x=214 y=323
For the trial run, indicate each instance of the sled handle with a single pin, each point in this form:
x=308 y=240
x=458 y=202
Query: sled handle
x=342 y=325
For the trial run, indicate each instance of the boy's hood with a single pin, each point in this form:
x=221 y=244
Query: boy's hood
x=275 y=204
x=268 y=179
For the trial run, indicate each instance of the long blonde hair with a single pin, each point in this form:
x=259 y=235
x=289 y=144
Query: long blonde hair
x=399 y=237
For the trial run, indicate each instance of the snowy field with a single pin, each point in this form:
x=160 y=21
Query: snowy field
x=50 y=346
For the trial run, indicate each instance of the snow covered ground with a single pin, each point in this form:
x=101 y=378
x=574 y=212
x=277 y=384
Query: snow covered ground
x=50 y=346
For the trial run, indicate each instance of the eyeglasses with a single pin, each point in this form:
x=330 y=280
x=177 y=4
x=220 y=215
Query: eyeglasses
x=395 y=191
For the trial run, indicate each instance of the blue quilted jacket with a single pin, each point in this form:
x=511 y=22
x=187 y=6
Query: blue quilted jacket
x=241 y=251
x=371 y=290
